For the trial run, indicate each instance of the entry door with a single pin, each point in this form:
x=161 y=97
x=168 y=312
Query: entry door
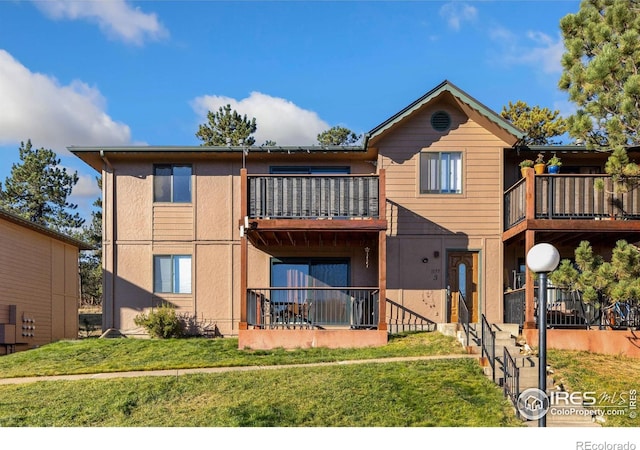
x=462 y=277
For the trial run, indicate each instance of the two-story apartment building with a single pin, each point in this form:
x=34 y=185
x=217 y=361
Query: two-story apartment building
x=327 y=246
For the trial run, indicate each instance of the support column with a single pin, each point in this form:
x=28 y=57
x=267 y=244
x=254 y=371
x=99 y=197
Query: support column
x=382 y=253
x=244 y=250
x=529 y=313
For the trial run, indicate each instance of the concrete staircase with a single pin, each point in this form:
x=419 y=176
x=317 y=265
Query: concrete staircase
x=505 y=337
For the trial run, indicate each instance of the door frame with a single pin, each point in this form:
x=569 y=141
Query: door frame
x=479 y=305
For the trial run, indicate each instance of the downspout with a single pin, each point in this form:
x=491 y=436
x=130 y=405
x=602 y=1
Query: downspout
x=108 y=168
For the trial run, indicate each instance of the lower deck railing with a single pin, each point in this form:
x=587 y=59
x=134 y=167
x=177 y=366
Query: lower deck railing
x=566 y=309
x=312 y=307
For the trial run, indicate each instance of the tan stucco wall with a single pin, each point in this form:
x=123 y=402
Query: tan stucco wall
x=39 y=275
x=207 y=229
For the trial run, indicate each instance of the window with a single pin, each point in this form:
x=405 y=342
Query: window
x=172 y=274
x=172 y=183
x=441 y=172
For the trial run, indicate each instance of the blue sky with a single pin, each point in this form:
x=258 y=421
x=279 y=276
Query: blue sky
x=116 y=72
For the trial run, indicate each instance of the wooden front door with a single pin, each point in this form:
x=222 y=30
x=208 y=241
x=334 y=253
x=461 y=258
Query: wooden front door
x=462 y=278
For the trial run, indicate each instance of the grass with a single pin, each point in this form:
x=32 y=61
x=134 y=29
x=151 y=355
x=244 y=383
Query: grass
x=449 y=392
x=117 y=355
x=610 y=377
x=444 y=392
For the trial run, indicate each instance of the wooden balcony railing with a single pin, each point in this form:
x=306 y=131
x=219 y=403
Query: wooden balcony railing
x=313 y=196
x=570 y=197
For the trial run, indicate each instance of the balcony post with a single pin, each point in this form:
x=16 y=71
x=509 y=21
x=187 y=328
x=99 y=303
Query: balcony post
x=530 y=193
x=244 y=250
x=529 y=316
x=382 y=252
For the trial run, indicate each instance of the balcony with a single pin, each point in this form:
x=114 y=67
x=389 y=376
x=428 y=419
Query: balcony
x=572 y=202
x=312 y=307
x=312 y=209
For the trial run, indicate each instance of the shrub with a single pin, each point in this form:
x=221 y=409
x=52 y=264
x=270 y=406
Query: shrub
x=163 y=322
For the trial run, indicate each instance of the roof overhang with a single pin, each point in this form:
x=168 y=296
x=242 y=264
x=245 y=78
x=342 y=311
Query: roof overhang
x=97 y=157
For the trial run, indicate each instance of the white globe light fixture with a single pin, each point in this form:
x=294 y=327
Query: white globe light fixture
x=542 y=259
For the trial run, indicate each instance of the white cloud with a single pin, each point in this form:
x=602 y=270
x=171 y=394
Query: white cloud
x=37 y=107
x=116 y=18
x=457 y=12
x=540 y=51
x=278 y=119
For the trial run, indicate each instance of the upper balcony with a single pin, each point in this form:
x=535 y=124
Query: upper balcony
x=331 y=204
x=570 y=203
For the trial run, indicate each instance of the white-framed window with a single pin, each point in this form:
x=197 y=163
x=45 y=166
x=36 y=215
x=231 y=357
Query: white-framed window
x=172 y=183
x=172 y=274
x=441 y=172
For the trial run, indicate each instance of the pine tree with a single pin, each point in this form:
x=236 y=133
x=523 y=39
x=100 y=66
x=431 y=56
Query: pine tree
x=91 y=260
x=541 y=125
x=601 y=73
x=227 y=127
x=37 y=189
x=338 y=136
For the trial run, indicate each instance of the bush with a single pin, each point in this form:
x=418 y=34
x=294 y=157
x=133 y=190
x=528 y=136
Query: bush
x=163 y=322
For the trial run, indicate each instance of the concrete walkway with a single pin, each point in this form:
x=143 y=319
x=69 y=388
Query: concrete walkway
x=178 y=372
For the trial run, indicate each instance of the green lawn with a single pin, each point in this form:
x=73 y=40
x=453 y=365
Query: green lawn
x=117 y=355
x=441 y=392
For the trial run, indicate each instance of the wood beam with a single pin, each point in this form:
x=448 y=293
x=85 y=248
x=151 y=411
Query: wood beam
x=529 y=312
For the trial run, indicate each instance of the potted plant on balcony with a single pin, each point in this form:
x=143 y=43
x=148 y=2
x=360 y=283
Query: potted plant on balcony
x=539 y=164
x=525 y=165
x=554 y=163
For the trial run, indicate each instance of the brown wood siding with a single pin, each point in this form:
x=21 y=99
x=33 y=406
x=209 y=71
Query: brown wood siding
x=39 y=274
x=476 y=211
x=172 y=222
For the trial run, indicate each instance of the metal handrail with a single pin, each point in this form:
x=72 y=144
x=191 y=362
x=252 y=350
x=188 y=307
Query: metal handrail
x=405 y=319
x=463 y=317
x=489 y=345
x=312 y=307
x=511 y=381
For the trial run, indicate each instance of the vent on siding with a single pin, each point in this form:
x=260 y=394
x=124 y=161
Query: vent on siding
x=440 y=121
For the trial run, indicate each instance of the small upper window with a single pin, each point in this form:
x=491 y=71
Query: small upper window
x=172 y=183
x=441 y=172
x=440 y=121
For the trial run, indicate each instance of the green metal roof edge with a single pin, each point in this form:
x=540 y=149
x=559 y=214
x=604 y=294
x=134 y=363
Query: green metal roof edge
x=216 y=149
x=447 y=86
x=11 y=217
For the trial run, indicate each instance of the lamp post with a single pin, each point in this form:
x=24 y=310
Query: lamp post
x=542 y=259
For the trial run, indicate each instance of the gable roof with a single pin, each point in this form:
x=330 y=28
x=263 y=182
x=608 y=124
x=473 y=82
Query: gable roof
x=461 y=96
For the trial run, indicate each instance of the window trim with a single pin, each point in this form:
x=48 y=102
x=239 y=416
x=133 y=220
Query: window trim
x=174 y=289
x=172 y=166
x=440 y=193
